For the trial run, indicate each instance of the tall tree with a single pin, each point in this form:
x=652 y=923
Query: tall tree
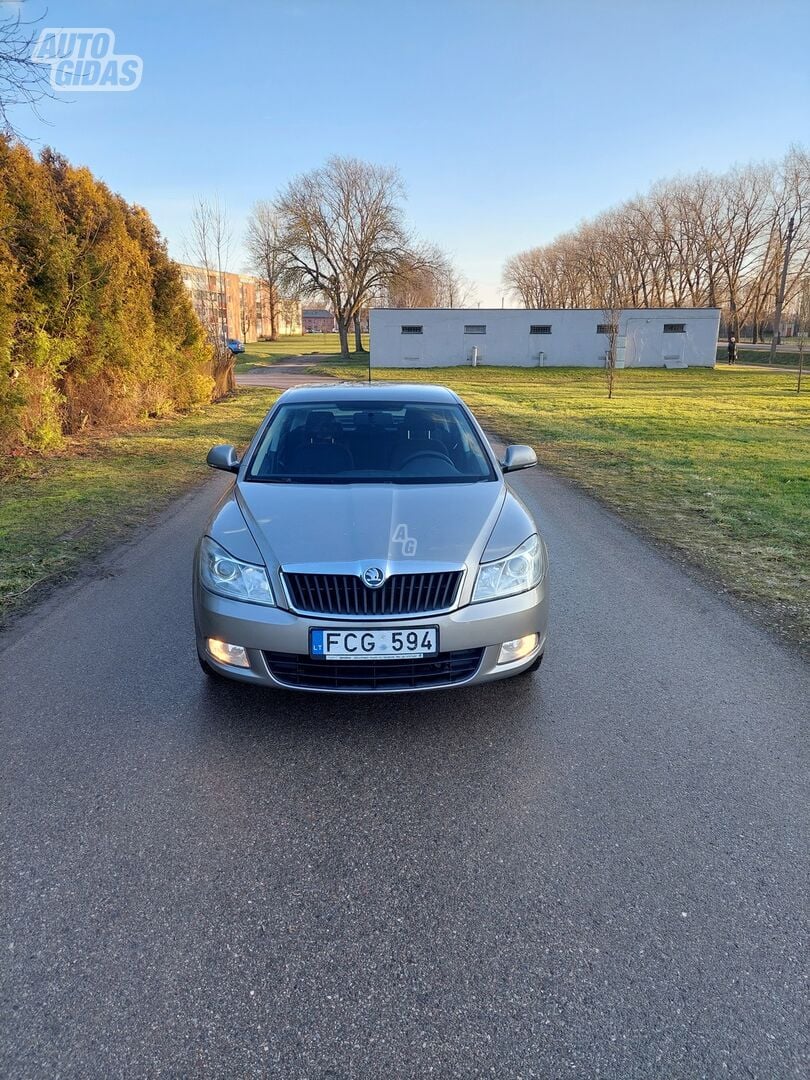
x=266 y=257
x=702 y=240
x=208 y=247
x=95 y=324
x=428 y=280
x=342 y=235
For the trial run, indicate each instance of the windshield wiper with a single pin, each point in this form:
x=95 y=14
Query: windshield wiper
x=379 y=480
x=300 y=479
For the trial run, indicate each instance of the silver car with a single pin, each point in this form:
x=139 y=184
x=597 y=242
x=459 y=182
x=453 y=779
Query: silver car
x=370 y=544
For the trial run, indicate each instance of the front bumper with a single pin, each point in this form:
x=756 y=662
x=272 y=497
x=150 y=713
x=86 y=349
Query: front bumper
x=263 y=630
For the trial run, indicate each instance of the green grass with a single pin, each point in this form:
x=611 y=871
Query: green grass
x=713 y=463
x=56 y=512
x=267 y=353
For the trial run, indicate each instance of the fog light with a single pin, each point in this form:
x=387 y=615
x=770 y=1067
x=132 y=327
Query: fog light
x=517 y=649
x=234 y=655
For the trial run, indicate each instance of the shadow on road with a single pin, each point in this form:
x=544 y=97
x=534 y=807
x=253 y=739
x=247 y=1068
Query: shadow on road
x=237 y=709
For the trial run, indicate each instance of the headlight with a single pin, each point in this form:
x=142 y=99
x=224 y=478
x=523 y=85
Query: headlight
x=517 y=573
x=223 y=574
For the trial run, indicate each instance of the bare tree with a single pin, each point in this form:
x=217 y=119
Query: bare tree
x=803 y=328
x=409 y=287
x=266 y=257
x=23 y=81
x=527 y=277
x=342 y=236
x=453 y=289
x=428 y=279
x=703 y=240
x=792 y=198
x=612 y=311
x=209 y=247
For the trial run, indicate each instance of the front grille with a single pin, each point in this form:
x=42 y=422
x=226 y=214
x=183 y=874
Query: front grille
x=346 y=594
x=303 y=672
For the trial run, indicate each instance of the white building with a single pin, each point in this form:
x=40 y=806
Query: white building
x=445 y=337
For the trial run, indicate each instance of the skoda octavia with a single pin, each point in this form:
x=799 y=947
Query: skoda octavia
x=370 y=543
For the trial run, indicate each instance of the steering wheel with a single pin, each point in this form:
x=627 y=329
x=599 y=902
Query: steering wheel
x=426 y=454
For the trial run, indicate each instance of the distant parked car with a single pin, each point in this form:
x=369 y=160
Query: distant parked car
x=235 y=345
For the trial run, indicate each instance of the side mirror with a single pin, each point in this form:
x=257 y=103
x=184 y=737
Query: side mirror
x=518 y=457
x=223 y=457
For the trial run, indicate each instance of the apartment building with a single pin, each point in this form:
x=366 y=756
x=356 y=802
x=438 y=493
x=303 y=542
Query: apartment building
x=318 y=320
x=239 y=304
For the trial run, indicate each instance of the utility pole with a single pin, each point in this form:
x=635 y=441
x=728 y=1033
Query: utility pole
x=780 y=296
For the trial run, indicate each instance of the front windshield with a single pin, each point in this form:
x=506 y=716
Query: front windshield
x=355 y=442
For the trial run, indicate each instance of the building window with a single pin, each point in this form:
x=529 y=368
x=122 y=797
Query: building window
x=535 y=329
x=674 y=328
x=475 y=328
x=411 y=329
x=607 y=328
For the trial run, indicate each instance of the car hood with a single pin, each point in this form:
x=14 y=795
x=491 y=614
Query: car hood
x=346 y=528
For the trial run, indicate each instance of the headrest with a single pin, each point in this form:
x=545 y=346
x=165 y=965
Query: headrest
x=319 y=420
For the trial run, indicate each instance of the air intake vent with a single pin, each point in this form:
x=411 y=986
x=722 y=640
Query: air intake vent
x=346 y=594
x=446 y=669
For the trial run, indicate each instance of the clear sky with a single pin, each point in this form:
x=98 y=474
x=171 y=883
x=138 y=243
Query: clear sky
x=510 y=120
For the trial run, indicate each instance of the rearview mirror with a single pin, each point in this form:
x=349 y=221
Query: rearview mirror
x=518 y=457
x=223 y=457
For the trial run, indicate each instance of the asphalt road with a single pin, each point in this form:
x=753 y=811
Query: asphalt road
x=290 y=372
x=597 y=871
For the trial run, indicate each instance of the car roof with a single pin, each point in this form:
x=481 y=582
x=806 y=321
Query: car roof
x=436 y=395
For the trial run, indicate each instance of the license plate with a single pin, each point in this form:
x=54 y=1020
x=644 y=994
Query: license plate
x=396 y=644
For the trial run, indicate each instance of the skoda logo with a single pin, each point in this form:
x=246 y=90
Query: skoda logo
x=373 y=577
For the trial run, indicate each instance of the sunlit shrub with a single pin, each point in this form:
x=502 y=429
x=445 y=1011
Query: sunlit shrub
x=96 y=328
